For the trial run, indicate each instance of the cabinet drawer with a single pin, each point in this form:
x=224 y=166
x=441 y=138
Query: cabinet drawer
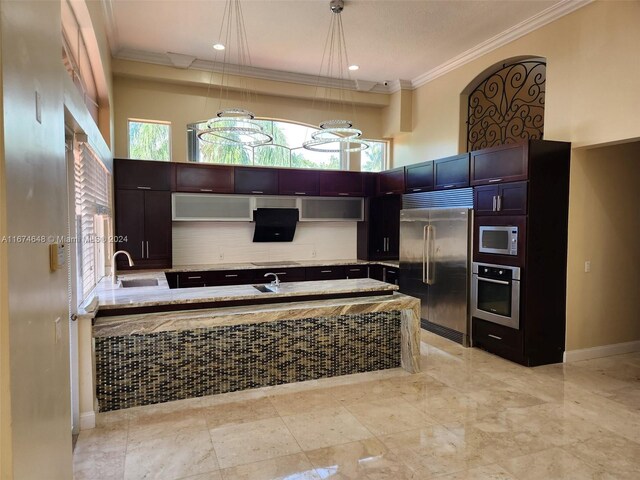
x=284 y=274
x=231 y=277
x=505 y=163
x=451 y=172
x=419 y=178
x=204 y=178
x=142 y=175
x=496 y=338
x=391 y=275
x=356 y=271
x=325 y=273
x=192 y=279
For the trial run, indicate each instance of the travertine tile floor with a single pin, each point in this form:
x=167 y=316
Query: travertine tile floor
x=468 y=415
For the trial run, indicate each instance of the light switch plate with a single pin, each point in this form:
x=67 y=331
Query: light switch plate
x=57 y=256
x=587 y=266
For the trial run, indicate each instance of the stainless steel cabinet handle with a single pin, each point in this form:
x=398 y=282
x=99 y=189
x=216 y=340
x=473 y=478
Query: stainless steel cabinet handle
x=147 y=242
x=499 y=197
x=391 y=272
x=326 y=271
x=230 y=276
x=449 y=186
x=494 y=180
x=142 y=244
x=142 y=187
x=416 y=189
x=299 y=193
x=281 y=273
x=343 y=194
x=494 y=336
x=355 y=269
x=495 y=202
x=491 y=280
x=206 y=190
x=389 y=193
x=257 y=191
x=194 y=278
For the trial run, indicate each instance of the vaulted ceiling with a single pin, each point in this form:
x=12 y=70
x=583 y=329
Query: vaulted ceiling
x=389 y=39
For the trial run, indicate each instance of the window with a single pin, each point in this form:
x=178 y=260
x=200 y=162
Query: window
x=92 y=188
x=149 y=140
x=374 y=158
x=285 y=150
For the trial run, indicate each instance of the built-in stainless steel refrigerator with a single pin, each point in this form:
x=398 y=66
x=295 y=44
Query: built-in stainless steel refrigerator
x=434 y=267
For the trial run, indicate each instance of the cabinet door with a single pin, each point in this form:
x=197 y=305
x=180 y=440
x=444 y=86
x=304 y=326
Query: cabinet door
x=157 y=225
x=451 y=172
x=129 y=208
x=485 y=200
x=298 y=182
x=230 y=277
x=392 y=226
x=512 y=198
x=142 y=175
x=505 y=163
x=391 y=182
x=190 y=279
x=384 y=227
x=256 y=180
x=204 y=178
x=419 y=178
x=376 y=272
x=334 y=184
x=325 y=273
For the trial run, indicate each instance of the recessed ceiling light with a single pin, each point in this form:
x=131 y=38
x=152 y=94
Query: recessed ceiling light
x=353 y=67
x=218 y=46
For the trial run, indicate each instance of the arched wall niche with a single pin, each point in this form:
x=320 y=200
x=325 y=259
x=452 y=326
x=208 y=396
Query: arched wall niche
x=504 y=104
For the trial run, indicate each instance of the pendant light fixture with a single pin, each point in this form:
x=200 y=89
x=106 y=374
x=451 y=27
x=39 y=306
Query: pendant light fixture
x=233 y=126
x=336 y=135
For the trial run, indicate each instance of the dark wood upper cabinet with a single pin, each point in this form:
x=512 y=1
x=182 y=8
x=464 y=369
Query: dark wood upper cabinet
x=505 y=163
x=341 y=183
x=379 y=234
x=157 y=225
x=256 y=180
x=451 y=172
x=142 y=174
x=298 y=182
x=419 y=177
x=505 y=199
x=129 y=222
x=204 y=178
x=391 y=182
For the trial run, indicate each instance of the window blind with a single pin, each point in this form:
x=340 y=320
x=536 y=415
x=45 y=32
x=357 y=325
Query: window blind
x=93 y=217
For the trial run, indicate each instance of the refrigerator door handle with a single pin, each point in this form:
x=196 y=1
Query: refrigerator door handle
x=426 y=254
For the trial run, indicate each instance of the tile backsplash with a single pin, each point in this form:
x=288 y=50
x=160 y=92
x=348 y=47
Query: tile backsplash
x=196 y=243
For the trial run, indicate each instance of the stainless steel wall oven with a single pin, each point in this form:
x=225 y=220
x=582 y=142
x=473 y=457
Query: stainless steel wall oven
x=495 y=294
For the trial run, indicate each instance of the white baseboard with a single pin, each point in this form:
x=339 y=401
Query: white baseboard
x=87 y=420
x=601 y=351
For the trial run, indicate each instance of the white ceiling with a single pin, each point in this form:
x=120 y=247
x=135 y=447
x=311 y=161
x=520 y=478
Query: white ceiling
x=389 y=39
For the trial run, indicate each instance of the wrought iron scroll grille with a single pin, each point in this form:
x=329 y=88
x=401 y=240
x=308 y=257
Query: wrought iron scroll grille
x=508 y=106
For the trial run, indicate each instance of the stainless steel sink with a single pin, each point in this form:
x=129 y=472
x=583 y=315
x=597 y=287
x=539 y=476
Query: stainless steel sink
x=140 y=282
x=265 y=288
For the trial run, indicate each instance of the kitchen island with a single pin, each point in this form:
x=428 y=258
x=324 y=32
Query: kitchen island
x=357 y=325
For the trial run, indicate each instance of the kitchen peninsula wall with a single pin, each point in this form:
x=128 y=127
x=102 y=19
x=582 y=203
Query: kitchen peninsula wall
x=210 y=243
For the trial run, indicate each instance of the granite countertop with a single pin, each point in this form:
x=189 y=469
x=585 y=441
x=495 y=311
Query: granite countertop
x=111 y=296
x=275 y=264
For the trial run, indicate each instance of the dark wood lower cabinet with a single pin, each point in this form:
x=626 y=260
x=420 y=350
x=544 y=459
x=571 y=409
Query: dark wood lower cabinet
x=326 y=273
x=503 y=341
x=284 y=274
x=356 y=271
x=390 y=275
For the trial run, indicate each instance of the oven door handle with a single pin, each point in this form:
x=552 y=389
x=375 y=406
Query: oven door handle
x=491 y=280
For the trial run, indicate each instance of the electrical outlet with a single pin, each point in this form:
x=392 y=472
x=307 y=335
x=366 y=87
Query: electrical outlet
x=58 y=325
x=587 y=266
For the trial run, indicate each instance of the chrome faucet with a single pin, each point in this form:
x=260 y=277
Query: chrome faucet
x=275 y=283
x=114 y=277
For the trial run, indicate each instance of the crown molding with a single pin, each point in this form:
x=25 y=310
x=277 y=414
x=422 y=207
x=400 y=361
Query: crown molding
x=523 y=28
x=245 y=71
x=397 y=85
x=111 y=26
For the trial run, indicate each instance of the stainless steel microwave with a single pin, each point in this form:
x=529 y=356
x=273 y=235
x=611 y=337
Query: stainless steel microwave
x=502 y=239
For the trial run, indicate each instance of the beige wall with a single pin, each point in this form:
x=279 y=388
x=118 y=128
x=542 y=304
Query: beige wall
x=604 y=222
x=592 y=95
x=36 y=429
x=173 y=99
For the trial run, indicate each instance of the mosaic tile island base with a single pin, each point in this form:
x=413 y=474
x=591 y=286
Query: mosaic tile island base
x=158 y=357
